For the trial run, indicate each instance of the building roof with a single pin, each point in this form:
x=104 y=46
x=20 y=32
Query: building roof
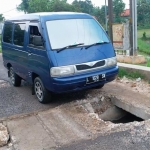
x=126 y=13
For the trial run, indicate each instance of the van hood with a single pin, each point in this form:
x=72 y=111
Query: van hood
x=80 y=55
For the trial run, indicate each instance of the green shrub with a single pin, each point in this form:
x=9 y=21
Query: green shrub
x=131 y=75
x=144 y=46
x=141 y=27
x=144 y=36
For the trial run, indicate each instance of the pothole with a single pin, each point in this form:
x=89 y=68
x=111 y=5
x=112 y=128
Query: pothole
x=107 y=111
x=128 y=118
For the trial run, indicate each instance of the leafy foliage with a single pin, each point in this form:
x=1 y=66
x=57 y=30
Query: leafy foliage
x=86 y=6
x=143 y=8
x=24 y=6
x=2 y=18
x=144 y=43
x=118 y=8
x=100 y=14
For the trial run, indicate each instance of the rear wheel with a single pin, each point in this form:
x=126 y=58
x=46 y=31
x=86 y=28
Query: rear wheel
x=14 y=78
x=41 y=92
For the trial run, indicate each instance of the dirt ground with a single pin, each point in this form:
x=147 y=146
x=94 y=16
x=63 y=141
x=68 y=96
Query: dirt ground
x=136 y=85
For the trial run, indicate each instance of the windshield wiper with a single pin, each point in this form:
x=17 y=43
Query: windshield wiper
x=98 y=43
x=69 y=46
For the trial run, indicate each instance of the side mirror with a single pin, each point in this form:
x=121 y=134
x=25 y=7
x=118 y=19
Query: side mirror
x=37 y=41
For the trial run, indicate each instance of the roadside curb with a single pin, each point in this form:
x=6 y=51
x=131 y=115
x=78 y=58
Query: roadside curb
x=19 y=116
x=132 y=68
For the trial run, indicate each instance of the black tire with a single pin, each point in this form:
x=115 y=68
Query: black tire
x=99 y=87
x=14 y=78
x=42 y=94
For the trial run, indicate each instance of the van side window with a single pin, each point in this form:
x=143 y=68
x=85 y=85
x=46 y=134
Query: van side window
x=35 y=38
x=7 y=36
x=19 y=31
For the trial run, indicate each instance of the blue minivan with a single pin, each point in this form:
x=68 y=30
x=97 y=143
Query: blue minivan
x=57 y=53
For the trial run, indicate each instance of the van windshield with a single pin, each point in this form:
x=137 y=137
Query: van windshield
x=73 y=31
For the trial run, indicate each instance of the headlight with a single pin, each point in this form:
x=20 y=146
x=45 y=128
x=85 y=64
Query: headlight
x=62 y=71
x=111 y=61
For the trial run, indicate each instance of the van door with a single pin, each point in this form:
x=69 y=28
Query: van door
x=19 y=54
x=37 y=56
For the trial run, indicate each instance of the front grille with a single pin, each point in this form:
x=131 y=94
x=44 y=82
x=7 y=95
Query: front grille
x=86 y=66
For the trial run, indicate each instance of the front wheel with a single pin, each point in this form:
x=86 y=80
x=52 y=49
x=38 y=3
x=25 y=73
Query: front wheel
x=14 y=78
x=41 y=92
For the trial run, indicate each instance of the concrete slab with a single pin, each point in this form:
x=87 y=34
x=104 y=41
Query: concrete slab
x=28 y=134
x=143 y=68
x=135 y=103
x=4 y=148
x=131 y=59
x=132 y=68
x=64 y=129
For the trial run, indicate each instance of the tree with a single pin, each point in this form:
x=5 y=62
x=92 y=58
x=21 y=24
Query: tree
x=31 y=6
x=23 y=6
x=143 y=7
x=99 y=13
x=76 y=6
x=118 y=8
x=60 y=5
x=38 y=6
x=2 y=18
x=84 y=6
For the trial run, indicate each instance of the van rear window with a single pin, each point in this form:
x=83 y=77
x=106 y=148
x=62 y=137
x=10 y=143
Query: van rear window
x=7 y=36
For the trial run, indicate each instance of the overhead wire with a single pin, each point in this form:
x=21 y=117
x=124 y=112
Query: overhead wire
x=8 y=11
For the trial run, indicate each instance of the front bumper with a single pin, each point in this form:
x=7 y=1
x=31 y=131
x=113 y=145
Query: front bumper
x=78 y=81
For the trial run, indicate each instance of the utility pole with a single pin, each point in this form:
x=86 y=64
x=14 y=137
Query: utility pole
x=133 y=27
x=110 y=13
x=106 y=16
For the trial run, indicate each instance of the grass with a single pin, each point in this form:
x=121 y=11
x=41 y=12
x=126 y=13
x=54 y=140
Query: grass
x=140 y=33
x=148 y=63
x=144 y=43
x=130 y=75
x=144 y=46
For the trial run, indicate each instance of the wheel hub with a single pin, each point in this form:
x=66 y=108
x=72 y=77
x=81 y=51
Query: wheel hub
x=39 y=91
x=12 y=76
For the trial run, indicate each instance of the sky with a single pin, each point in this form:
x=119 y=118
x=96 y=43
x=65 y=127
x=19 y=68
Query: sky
x=8 y=7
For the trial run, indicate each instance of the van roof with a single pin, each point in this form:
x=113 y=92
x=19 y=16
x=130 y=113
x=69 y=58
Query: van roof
x=49 y=16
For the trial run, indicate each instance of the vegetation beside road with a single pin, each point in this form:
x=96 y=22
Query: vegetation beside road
x=140 y=32
x=144 y=46
x=144 y=41
x=131 y=75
